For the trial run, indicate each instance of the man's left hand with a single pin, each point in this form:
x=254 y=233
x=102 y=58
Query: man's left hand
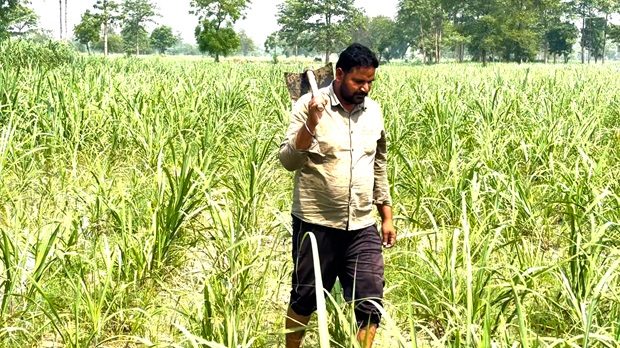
x=389 y=233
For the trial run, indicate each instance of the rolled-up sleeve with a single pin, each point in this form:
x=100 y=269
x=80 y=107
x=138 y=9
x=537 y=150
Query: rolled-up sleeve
x=381 y=191
x=291 y=158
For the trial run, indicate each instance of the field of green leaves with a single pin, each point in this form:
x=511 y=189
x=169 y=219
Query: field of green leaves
x=143 y=204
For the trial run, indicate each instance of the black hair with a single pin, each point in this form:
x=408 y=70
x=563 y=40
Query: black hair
x=357 y=56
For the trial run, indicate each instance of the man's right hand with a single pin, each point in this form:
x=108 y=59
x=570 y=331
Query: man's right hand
x=316 y=106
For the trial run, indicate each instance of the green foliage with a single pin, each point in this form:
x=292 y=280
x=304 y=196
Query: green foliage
x=614 y=33
x=247 y=47
x=16 y=18
x=592 y=37
x=276 y=44
x=135 y=42
x=115 y=44
x=88 y=31
x=561 y=39
x=382 y=36
x=162 y=38
x=136 y=14
x=22 y=21
x=422 y=24
x=272 y=42
x=217 y=41
x=215 y=33
x=184 y=49
x=49 y=55
x=108 y=12
x=143 y=201
x=7 y=8
x=325 y=23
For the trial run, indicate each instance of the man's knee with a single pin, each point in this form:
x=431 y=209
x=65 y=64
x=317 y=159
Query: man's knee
x=303 y=305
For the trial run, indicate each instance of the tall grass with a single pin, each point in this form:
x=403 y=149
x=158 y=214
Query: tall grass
x=143 y=203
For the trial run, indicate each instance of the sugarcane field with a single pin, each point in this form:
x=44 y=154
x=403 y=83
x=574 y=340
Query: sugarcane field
x=160 y=159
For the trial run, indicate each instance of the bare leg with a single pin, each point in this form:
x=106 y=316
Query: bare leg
x=293 y=321
x=366 y=335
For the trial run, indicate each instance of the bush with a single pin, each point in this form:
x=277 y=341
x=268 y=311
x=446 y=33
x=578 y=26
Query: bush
x=47 y=55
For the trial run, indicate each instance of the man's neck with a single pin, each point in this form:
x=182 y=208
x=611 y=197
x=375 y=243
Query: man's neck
x=347 y=106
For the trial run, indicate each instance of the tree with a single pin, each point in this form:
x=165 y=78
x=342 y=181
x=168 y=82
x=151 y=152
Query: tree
x=608 y=8
x=561 y=40
x=519 y=30
x=592 y=37
x=382 y=36
x=246 y=44
x=361 y=30
x=481 y=26
x=185 y=49
x=88 y=31
x=115 y=43
x=60 y=17
x=424 y=23
x=584 y=10
x=272 y=43
x=162 y=38
x=22 y=21
x=7 y=10
x=215 y=33
x=136 y=13
x=326 y=22
x=66 y=23
x=108 y=12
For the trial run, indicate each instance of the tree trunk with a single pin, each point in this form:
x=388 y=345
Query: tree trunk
x=60 y=7
x=456 y=52
x=555 y=58
x=583 y=50
x=137 y=44
x=484 y=57
x=217 y=57
x=105 y=37
x=326 y=57
x=437 y=50
x=66 y=23
x=88 y=48
x=605 y=38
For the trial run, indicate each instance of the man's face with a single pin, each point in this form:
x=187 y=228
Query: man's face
x=355 y=85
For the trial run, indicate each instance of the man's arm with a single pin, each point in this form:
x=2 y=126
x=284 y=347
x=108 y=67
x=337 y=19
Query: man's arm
x=300 y=134
x=381 y=193
x=387 y=225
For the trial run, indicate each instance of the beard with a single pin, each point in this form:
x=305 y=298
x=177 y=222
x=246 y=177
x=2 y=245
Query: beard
x=352 y=98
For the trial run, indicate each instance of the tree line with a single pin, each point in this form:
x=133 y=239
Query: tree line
x=433 y=30
x=122 y=27
x=507 y=30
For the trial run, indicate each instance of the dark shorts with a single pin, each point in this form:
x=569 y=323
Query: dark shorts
x=354 y=257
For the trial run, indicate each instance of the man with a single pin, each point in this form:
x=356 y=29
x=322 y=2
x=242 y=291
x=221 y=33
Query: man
x=337 y=147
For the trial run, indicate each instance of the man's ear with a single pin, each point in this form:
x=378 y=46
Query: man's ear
x=339 y=74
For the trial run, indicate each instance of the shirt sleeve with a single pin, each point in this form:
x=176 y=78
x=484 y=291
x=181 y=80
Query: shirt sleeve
x=291 y=158
x=381 y=191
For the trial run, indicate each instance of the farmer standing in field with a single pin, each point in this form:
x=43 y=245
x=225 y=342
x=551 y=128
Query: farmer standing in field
x=339 y=156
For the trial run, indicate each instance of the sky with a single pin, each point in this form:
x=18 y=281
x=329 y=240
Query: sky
x=259 y=23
